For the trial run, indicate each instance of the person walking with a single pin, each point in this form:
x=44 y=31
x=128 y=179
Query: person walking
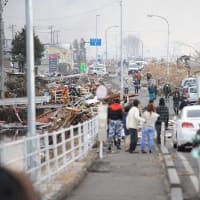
x=166 y=91
x=184 y=102
x=136 y=86
x=152 y=92
x=176 y=100
x=148 y=130
x=163 y=112
x=132 y=124
x=115 y=115
x=126 y=132
x=139 y=77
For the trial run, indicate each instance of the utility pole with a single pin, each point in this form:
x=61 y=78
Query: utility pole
x=51 y=33
x=2 y=4
x=97 y=36
x=12 y=28
x=57 y=41
x=55 y=36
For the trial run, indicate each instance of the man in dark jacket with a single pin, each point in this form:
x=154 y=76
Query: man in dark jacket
x=163 y=111
x=166 y=91
x=176 y=100
x=115 y=116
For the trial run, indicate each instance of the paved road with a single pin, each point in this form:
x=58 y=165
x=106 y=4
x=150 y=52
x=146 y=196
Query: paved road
x=187 y=169
x=124 y=176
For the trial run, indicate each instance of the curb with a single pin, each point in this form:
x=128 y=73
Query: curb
x=176 y=192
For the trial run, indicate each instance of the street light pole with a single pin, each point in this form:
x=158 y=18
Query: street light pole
x=168 y=34
x=142 y=49
x=31 y=144
x=96 y=35
x=106 y=33
x=121 y=56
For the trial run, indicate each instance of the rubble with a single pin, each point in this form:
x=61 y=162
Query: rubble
x=72 y=101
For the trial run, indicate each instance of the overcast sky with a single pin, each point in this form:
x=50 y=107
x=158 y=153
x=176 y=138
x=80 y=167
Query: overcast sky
x=75 y=19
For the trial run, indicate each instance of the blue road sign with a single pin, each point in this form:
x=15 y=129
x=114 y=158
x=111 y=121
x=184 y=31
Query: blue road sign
x=95 y=42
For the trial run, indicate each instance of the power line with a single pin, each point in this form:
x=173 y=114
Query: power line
x=77 y=15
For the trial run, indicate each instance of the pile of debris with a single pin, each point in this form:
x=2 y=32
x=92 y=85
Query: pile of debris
x=71 y=103
x=53 y=120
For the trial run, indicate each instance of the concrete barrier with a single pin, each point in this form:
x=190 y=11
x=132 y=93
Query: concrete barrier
x=176 y=194
x=168 y=161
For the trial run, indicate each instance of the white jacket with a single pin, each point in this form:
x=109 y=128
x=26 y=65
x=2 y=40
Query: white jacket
x=133 y=118
x=150 y=119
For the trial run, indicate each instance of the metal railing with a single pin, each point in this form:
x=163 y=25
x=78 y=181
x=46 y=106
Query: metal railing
x=52 y=152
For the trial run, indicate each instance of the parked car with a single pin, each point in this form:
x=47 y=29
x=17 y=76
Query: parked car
x=186 y=127
x=97 y=69
x=190 y=93
x=132 y=68
x=141 y=64
x=189 y=82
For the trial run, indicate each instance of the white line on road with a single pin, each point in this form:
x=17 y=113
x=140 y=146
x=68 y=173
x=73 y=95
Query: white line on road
x=189 y=169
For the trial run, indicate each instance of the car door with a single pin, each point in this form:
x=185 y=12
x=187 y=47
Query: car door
x=192 y=94
x=174 y=134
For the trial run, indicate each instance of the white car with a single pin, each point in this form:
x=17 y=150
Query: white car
x=97 y=69
x=186 y=127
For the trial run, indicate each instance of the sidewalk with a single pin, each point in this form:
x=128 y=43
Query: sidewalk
x=124 y=176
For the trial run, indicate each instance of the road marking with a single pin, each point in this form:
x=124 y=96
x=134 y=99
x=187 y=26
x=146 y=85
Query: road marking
x=188 y=167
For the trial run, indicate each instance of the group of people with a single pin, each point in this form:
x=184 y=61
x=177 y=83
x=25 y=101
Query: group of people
x=132 y=118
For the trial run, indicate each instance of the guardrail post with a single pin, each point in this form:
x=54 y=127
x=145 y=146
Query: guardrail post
x=47 y=152
x=55 y=150
x=80 y=143
x=63 y=147
x=85 y=137
x=72 y=143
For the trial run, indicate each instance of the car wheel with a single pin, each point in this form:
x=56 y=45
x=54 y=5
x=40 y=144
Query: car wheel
x=180 y=148
x=175 y=145
x=175 y=141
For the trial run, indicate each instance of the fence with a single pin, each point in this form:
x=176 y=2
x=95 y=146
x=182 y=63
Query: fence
x=44 y=156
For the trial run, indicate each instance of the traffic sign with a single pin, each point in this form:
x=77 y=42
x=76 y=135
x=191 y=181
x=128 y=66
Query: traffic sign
x=101 y=92
x=83 y=67
x=95 y=42
x=53 y=63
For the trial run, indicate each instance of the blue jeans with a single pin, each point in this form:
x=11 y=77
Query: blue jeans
x=114 y=129
x=147 y=133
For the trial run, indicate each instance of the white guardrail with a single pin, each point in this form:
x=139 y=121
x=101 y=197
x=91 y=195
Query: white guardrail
x=51 y=152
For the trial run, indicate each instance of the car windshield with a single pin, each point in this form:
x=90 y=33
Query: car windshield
x=193 y=90
x=193 y=113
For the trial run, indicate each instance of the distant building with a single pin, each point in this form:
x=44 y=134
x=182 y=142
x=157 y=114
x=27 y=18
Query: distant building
x=63 y=55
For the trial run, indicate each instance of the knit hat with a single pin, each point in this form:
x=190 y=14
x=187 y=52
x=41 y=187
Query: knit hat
x=162 y=102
